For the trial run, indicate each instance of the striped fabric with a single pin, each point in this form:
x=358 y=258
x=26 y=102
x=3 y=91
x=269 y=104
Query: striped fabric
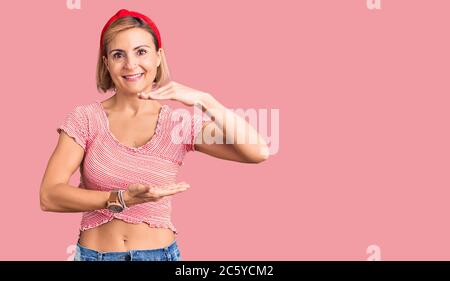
x=109 y=164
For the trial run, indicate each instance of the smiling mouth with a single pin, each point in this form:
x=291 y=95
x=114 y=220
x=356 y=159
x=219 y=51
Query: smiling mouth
x=133 y=77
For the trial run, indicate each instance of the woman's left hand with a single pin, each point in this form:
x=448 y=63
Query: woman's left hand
x=175 y=91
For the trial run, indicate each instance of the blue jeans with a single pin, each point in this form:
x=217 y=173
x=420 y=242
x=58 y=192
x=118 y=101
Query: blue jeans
x=169 y=253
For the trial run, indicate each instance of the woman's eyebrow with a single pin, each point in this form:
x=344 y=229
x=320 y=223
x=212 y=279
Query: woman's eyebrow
x=120 y=50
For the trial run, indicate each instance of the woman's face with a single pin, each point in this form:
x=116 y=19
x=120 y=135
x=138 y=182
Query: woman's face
x=132 y=60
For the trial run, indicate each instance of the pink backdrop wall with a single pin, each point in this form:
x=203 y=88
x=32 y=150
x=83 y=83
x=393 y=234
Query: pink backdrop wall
x=363 y=162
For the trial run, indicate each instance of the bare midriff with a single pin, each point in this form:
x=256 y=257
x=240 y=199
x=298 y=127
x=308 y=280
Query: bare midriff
x=120 y=236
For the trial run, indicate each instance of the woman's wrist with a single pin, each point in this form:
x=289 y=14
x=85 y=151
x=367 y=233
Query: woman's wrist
x=206 y=100
x=127 y=198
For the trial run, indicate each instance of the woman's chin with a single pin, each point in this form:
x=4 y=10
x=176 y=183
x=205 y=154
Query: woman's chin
x=142 y=86
x=138 y=89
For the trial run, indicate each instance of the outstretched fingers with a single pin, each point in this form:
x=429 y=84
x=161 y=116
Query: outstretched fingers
x=167 y=190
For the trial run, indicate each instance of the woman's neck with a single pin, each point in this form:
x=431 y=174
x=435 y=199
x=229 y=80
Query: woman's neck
x=130 y=104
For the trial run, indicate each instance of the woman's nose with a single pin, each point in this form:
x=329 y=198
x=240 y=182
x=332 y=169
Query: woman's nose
x=131 y=62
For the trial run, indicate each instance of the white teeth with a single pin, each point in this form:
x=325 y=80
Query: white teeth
x=133 y=76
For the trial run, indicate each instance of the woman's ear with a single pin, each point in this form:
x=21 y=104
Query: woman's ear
x=159 y=57
x=105 y=61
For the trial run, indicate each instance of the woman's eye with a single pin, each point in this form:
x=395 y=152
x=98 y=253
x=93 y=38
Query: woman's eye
x=116 y=55
x=143 y=52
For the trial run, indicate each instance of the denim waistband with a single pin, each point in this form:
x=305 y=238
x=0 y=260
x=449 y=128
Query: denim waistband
x=170 y=249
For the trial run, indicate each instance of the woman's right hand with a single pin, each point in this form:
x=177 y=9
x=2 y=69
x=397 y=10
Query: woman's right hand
x=140 y=193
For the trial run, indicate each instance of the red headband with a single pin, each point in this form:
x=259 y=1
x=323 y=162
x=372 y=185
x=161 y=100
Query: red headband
x=124 y=13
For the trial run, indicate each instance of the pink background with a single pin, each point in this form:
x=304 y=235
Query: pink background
x=364 y=140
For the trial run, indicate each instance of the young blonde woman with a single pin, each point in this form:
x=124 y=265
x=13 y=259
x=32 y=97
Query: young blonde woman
x=127 y=151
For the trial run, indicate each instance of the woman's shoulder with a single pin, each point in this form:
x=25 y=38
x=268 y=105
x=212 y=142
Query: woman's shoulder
x=88 y=106
x=86 y=114
x=86 y=109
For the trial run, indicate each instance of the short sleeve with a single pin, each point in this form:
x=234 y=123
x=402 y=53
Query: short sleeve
x=76 y=126
x=197 y=123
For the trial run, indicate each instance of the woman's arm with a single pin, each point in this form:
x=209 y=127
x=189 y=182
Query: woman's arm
x=58 y=196
x=224 y=124
x=239 y=140
x=66 y=198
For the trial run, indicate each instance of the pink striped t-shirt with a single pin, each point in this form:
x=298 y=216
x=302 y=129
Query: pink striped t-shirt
x=109 y=164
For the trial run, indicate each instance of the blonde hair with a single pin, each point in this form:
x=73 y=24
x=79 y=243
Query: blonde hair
x=103 y=78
